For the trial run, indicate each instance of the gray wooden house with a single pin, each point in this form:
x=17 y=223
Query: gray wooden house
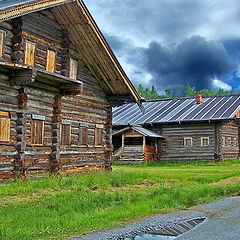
x=189 y=129
x=58 y=82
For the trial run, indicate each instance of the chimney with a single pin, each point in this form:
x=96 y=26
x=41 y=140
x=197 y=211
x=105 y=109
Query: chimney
x=198 y=99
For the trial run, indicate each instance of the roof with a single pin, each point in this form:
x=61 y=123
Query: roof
x=141 y=130
x=85 y=35
x=178 y=110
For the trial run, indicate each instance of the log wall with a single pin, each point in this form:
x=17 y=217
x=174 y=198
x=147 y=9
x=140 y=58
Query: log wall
x=173 y=149
x=47 y=100
x=9 y=104
x=230 y=140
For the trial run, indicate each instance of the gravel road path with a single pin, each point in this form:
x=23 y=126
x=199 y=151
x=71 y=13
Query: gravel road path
x=223 y=222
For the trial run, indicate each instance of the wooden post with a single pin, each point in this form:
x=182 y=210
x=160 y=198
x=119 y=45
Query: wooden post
x=56 y=124
x=144 y=143
x=19 y=167
x=123 y=139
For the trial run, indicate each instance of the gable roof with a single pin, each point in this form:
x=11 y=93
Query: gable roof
x=178 y=110
x=85 y=35
x=143 y=131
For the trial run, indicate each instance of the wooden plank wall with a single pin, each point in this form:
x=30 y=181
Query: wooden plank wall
x=173 y=150
x=230 y=131
x=8 y=103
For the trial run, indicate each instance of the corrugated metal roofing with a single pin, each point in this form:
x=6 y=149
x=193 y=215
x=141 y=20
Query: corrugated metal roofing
x=177 y=110
x=141 y=130
x=7 y=4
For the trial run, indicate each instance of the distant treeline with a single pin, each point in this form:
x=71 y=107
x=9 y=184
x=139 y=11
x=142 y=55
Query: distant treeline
x=151 y=94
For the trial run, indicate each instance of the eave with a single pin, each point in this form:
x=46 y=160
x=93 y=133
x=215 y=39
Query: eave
x=88 y=39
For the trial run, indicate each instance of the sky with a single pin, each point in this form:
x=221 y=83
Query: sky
x=174 y=43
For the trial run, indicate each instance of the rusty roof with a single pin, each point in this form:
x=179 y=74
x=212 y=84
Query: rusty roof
x=178 y=110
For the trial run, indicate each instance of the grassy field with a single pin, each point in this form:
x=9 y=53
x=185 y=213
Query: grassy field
x=59 y=207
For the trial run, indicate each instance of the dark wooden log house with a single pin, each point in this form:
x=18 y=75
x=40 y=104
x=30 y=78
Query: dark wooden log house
x=58 y=82
x=192 y=129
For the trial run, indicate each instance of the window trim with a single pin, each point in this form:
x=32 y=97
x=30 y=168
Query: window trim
x=81 y=136
x=61 y=132
x=223 y=141
x=42 y=136
x=205 y=138
x=2 y=43
x=73 y=68
x=185 y=140
x=47 y=60
x=5 y=115
x=35 y=52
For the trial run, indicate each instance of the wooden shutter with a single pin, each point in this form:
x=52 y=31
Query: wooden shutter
x=73 y=69
x=51 y=61
x=66 y=134
x=98 y=136
x=37 y=132
x=4 y=129
x=83 y=136
x=2 y=38
x=30 y=53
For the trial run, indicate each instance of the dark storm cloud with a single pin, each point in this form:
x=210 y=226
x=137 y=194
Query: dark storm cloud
x=153 y=39
x=194 y=61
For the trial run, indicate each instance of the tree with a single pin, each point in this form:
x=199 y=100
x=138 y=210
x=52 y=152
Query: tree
x=190 y=91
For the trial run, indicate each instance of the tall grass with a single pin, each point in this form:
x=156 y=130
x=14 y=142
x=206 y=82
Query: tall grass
x=58 y=207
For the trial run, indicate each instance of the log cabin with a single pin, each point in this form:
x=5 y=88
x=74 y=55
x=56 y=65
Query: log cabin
x=181 y=130
x=58 y=82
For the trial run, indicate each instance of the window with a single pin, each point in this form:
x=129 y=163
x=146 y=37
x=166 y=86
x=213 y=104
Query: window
x=4 y=127
x=204 y=141
x=98 y=136
x=188 y=142
x=30 y=53
x=234 y=142
x=229 y=141
x=223 y=141
x=83 y=136
x=66 y=134
x=51 y=61
x=2 y=40
x=37 y=132
x=73 y=69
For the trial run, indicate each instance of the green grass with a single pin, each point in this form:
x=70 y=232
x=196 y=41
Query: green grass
x=59 y=207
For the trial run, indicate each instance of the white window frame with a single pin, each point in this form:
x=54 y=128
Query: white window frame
x=224 y=141
x=229 y=141
x=202 y=140
x=185 y=141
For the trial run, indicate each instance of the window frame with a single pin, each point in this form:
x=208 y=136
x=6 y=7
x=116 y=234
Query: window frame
x=82 y=131
x=223 y=141
x=5 y=116
x=202 y=141
x=98 y=136
x=185 y=141
x=33 y=142
x=48 y=66
x=229 y=141
x=25 y=55
x=61 y=134
x=73 y=68
x=2 y=43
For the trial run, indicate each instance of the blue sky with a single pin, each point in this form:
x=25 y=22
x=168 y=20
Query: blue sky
x=174 y=43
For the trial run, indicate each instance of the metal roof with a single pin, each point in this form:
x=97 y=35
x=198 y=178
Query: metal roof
x=6 y=4
x=141 y=130
x=177 y=110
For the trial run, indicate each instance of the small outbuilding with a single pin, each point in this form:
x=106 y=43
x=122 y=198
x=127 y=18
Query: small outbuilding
x=188 y=129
